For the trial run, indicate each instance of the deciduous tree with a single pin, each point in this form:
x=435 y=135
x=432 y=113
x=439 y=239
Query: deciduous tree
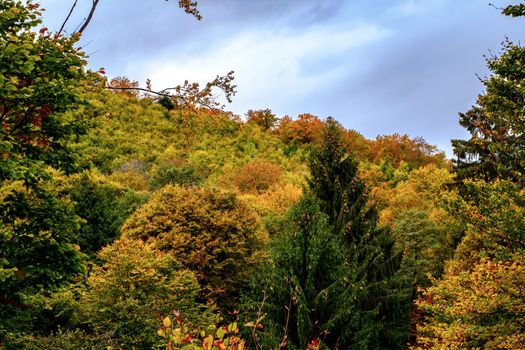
x=208 y=231
x=496 y=148
x=41 y=78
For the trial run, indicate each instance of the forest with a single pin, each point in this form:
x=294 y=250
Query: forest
x=140 y=219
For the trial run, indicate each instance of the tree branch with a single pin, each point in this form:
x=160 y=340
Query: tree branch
x=162 y=93
x=67 y=18
x=191 y=93
x=89 y=17
x=190 y=7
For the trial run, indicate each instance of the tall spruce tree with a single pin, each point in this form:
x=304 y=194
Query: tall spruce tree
x=384 y=300
x=303 y=281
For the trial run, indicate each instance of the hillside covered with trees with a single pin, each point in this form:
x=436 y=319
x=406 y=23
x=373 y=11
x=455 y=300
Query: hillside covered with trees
x=141 y=219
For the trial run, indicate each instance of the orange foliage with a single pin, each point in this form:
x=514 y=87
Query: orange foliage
x=263 y=117
x=125 y=83
x=257 y=175
x=416 y=152
x=307 y=128
x=356 y=143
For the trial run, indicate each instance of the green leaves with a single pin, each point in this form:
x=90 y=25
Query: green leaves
x=477 y=303
x=41 y=79
x=496 y=148
x=514 y=10
x=134 y=284
x=209 y=231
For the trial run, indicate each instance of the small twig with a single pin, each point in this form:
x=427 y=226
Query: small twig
x=159 y=93
x=288 y=308
x=258 y=316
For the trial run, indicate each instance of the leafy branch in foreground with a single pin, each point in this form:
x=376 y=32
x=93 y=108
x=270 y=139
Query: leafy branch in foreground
x=177 y=335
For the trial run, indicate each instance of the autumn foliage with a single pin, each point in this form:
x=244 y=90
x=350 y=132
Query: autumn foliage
x=208 y=231
x=124 y=86
x=257 y=176
x=141 y=219
x=307 y=128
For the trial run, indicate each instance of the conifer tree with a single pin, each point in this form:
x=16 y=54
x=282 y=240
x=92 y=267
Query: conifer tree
x=478 y=303
x=302 y=281
x=384 y=299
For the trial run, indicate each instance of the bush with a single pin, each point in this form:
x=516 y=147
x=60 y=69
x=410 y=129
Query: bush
x=175 y=175
x=61 y=340
x=208 y=231
x=134 y=180
x=257 y=175
x=135 y=284
x=104 y=207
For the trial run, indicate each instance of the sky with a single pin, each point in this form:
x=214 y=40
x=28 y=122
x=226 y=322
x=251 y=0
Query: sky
x=377 y=66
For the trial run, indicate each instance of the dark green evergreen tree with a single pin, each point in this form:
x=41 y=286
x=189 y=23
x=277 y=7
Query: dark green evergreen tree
x=384 y=297
x=303 y=281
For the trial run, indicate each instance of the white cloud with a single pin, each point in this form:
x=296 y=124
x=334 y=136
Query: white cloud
x=268 y=64
x=416 y=7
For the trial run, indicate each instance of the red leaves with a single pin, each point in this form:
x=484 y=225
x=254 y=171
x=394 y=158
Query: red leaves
x=313 y=345
x=41 y=114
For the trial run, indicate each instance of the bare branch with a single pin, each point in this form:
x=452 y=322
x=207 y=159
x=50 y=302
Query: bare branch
x=89 y=17
x=158 y=93
x=67 y=18
x=189 y=6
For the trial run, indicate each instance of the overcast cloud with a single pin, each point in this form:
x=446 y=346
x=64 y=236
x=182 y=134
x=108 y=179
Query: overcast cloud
x=378 y=66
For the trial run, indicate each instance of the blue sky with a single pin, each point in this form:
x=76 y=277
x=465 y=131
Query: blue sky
x=377 y=66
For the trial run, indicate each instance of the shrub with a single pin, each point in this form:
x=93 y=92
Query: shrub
x=61 y=340
x=176 y=175
x=257 y=175
x=104 y=207
x=178 y=336
x=208 y=231
x=130 y=179
x=135 y=284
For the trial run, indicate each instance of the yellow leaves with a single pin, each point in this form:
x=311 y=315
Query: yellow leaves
x=277 y=200
x=207 y=343
x=220 y=333
x=483 y=305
